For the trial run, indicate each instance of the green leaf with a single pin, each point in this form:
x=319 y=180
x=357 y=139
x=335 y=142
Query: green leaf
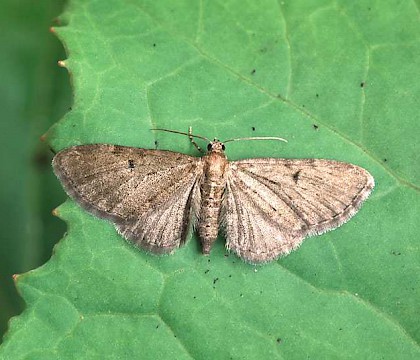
x=338 y=80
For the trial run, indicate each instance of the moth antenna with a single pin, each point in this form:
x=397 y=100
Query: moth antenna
x=257 y=138
x=190 y=135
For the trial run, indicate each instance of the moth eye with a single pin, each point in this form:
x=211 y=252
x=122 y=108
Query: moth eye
x=223 y=147
x=209 y=147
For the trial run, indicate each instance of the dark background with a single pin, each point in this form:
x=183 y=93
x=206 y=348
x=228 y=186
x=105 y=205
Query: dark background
x=34 y=94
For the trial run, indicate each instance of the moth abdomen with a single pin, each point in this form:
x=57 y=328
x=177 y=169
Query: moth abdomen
x=212 y=189
x=208 y=222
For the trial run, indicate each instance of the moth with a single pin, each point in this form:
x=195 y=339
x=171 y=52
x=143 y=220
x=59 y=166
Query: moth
x=265 y=207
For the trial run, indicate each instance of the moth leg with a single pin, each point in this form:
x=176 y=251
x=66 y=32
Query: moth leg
x=190 y=135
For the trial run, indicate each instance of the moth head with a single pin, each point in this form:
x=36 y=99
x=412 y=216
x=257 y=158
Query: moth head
x=216 y=146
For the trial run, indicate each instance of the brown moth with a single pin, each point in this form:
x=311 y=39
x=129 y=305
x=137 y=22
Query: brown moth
x=266 y=207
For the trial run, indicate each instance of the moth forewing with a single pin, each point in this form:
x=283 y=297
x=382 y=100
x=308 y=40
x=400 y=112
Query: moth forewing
x=271 y=205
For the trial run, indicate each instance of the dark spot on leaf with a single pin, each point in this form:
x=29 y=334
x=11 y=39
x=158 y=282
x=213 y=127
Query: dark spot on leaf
x=315 y=126
x=154 y=45
x=395 y=252
x=317 y=95
x=385 y=160
x=278 y=340
x=205 y=272
x=362 y=84
x=157 y=326
x=253 y=71
x=253 y=128
x=215 y=280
